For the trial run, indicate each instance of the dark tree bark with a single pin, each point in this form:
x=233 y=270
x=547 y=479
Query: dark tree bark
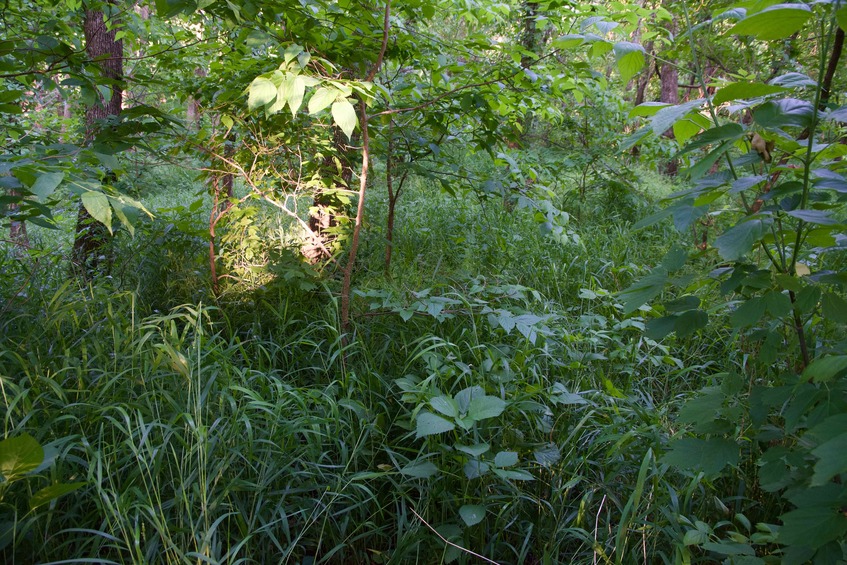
x=328 y=208
x=106 y=52
x=670 y=95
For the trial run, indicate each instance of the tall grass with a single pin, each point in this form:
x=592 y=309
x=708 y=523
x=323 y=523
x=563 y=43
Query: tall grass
x=248 y=431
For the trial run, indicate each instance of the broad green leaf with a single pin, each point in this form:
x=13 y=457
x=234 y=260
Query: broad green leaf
x=784 y=112
x=281 y=96
x=695 y=537
x=483 y=407
x=419 y=470
x=775 y=22
x=841 y=17
x=475 y=469
x=689 y=126
x=644 y=290
x=344 y=115
x=295 y=97
x=514 y=475
x=812 y=526
x=820 y=217
x=322 y=98
x=472 y=514
x=832 y=460
x=727 y=548
x=748 y=313
x=262 y=92
x=740 y=238
x=473 y=450
x=19 y=455
x=98 y=206
x=48 y=494
x=703 y=165
x=826 y=368
x=506 y=459
x=548 y=455
x=569 y=41
x=46 y=184
x=599 y=48
x=667 y=117
x=630 y=59
x=647 y=109
x=707 y=455
x=464 y=397
x=794 y=80
x=834 y=308
x=745 y=90
x=446 y=405
x=429 y=424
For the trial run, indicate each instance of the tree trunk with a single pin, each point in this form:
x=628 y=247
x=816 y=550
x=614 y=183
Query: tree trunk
x=328 y=208
x=530 y=40
x=102 y=47
x=670 y=95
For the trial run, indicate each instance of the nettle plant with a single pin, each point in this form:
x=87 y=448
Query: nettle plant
x=767 y=168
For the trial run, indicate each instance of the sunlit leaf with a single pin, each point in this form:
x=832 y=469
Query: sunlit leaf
x=262 y=92
x=19 y=455
x=775 y=22
x=344 y=115
x=98 y=206
x=630 y=59
x=745 y=90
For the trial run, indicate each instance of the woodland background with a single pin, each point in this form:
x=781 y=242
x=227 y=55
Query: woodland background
x=424 y=281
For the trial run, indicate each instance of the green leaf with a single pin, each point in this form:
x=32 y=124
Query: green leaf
x=472 y=514
x=740 y=238
x=841 y=17
x=48 y=494
x=749 y=313
x=514 y=475
x=667 y=117
x=483 y=407
x=262 y=92
x=419 y=470
x=46 y=184
x=707 y=455
x=446 y=405
x=832 y=460
x=298 y=91
x=689 y=126
x=322 y=98
x=344 y=115
x=726 y=132
x=826 y=368
x=647 y=109
x=569 y=41
x=644 y=290
x=630 y=59
x=506 y=459
x=19 y=455
x=813 y=526
x=785 y=112
x=834 y=308
x=775 y=22
x=429 y=424
x=726 y=548
x=473 y=450
x=745 y=90
x=98 y=206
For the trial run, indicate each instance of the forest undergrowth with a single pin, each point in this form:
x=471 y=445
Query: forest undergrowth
x=492 y=401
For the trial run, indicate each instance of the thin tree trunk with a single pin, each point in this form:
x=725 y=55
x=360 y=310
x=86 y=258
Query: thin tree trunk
x=101 y=46
x=670 y=95
x=17 y=230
